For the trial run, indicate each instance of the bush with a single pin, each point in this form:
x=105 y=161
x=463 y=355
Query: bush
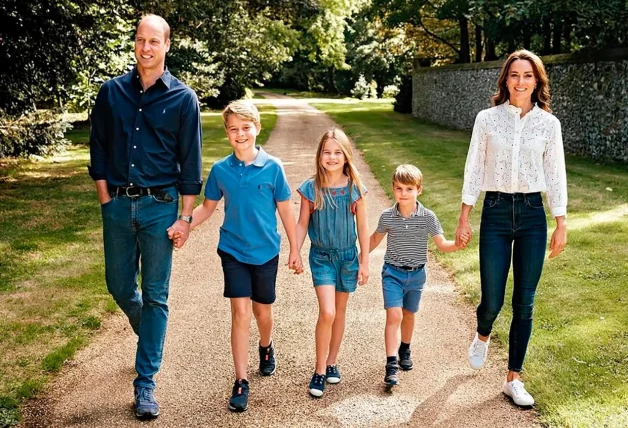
x=39 y=133
x=364 y=89
x=403 y=100
x=390 y=91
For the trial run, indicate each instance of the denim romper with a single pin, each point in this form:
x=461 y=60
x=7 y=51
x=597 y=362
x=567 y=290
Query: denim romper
x=332 y=231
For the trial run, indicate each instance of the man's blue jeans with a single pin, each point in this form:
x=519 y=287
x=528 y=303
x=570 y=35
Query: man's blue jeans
x=136 y=241
x=513 y=228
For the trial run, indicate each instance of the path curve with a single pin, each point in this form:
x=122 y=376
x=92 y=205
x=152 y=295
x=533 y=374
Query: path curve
x=95 y=389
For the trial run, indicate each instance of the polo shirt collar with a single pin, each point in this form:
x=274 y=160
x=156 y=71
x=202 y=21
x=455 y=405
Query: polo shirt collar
x=260 y=159
x=418 y=212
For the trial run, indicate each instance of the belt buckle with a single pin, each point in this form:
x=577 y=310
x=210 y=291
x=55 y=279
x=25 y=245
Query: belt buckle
x=126 y=191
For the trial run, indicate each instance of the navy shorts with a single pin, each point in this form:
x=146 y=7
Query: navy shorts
x=402 y=288
x=245 y=280
x=335 y=267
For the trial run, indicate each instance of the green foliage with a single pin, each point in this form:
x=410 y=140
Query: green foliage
x=38 y=133
x=390 y=91
x=105 y=51
x=364 y=89
x=377 y=52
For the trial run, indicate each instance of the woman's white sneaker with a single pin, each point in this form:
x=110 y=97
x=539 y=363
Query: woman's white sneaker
x=518 y=393
x=478 y=351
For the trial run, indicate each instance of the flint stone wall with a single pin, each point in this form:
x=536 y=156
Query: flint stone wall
x=589 y=95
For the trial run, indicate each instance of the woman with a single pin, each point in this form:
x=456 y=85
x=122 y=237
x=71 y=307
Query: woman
x=516 y=152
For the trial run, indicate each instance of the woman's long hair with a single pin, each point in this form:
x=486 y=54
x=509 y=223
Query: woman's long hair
x=540 y=95
x=349 y=169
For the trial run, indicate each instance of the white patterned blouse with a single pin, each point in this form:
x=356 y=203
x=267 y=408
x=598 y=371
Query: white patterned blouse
x=512 y=154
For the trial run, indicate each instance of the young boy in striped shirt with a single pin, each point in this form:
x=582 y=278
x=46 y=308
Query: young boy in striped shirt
x=408 y=225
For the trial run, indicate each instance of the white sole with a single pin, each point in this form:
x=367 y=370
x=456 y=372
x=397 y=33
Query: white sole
x=316 y=393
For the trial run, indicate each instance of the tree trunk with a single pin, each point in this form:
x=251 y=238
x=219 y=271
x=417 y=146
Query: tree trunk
x=547 y=36
x=332 y=80
x=527 y=37
x=465 y=54
x=568 y=27
x=511 y=43
x=478 y=43
x=558 y=34
x=490 y=48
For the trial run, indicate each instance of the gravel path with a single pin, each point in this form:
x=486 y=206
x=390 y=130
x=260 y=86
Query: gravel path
x=95 y=390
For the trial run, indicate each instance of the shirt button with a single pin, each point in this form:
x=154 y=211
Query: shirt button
x=135 y=147
x=137 y=129
x=130 y=184
x=132 y=165
x=140 y=109
x=141 y=92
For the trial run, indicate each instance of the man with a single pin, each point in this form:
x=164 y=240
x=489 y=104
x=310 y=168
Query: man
x=145 y=148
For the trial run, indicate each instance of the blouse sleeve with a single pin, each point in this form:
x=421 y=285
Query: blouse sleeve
x=555 y=173
x=306 y=189
x=476 y=158
x=356 y=196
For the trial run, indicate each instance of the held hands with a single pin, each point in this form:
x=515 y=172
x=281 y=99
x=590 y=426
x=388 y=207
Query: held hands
x=295 y=263
x=363 y=274
x=464 y=240
x=463 y=234
x=179 y=232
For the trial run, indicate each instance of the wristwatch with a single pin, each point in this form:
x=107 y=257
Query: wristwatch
x=186 y=218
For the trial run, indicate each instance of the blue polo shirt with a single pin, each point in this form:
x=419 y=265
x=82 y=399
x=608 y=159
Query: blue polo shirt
x=249 y=232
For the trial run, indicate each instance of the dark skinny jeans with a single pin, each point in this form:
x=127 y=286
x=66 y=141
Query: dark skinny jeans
x=513 y=228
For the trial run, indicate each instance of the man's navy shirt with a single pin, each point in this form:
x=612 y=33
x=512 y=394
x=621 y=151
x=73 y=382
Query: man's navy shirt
x=146 y=139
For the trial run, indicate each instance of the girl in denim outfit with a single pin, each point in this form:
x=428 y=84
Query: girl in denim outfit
x=333 y=214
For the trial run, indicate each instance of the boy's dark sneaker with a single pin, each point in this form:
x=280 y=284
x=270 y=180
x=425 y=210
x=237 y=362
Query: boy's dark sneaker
x=405 y=362
x=267 y=362
x=239 y=400
x=392 y=377
x=146 y=407
x=317 y=385
x=332 y=374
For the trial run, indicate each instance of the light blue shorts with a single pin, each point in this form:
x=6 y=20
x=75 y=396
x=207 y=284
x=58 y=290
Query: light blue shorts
x=335 y=267
x=402 y=288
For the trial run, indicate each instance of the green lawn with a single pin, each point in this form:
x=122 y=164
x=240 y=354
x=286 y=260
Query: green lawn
x=577 y=364
x=52 y=290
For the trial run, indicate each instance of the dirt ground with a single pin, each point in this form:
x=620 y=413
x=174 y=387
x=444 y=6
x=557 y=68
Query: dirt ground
x=193 y=387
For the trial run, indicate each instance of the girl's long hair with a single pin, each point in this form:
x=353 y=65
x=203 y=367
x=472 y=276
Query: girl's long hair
x=540 y=95
x=349 y=169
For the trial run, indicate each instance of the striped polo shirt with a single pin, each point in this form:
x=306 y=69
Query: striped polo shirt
x=407 y=236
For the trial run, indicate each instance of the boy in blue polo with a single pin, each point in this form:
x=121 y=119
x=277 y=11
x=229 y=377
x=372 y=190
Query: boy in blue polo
x=408 y=225
x=254 y=185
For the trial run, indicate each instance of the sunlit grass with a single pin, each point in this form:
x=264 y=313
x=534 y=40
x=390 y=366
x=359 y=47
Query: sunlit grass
x=577 y=363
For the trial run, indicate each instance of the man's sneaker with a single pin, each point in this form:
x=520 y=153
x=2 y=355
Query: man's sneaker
x=146 y=407
x=239 y=400
x=518 y=393
x=392 y=377
x=267 y=362
x=317 y=385
x=332 y=374
x=478 y=351
x=405 y=362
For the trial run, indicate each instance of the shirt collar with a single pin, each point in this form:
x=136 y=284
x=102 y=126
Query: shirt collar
x=418 y=212
x=516 y=110
x=260 y=159
x=165 y=78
